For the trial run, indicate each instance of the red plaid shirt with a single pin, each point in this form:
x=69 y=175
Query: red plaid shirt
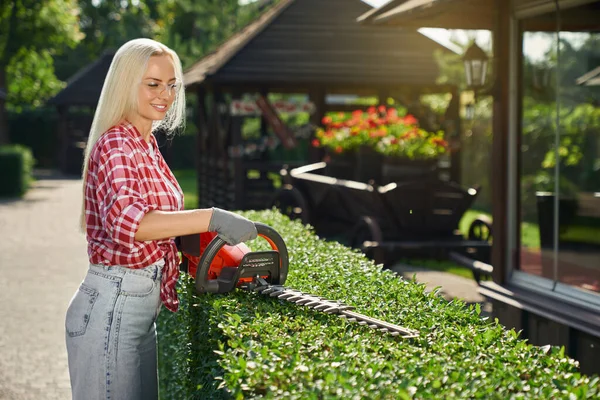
x=124 y=182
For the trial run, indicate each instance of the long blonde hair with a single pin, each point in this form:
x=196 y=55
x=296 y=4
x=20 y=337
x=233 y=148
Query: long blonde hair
x=119 y=96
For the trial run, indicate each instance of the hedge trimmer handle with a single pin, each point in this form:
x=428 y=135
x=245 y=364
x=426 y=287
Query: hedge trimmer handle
x=271 y=265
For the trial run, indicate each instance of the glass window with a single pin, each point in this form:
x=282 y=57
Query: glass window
x=559 y=143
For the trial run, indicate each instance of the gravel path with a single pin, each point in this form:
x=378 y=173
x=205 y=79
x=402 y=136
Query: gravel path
x=42 y=261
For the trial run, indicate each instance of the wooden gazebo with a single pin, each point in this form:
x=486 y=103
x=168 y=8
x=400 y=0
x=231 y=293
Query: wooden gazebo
x=75 y=105
x=313 y=48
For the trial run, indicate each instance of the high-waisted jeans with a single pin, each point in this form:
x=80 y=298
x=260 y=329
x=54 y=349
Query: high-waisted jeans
x=111 y=334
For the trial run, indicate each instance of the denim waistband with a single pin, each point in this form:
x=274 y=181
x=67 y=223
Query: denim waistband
x=153 y=271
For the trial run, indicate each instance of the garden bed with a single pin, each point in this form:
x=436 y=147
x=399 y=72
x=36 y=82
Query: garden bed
x=244 y=346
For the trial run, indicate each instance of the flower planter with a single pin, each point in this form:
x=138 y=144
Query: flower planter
x=368 y=165
x=395 y=169
x=341 y=165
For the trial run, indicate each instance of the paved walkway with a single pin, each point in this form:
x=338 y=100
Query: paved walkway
x=451 y=286
x=42 y=261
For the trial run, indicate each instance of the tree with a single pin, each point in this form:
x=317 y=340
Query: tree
x=32 y=32
x=107 y=24
x=193 y=28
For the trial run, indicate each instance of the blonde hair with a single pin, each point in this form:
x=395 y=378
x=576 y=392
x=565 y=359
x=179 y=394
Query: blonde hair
x=115 y=104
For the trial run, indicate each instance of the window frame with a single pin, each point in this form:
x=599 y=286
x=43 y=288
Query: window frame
x=542 y=286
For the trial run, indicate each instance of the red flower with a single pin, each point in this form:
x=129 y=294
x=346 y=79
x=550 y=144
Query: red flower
x=326 y=120
x=357 y=114
x=410 y=120
x=382 y=109
x=339 y=149
x=440 y=142
x=372 y=110
x=315 y=143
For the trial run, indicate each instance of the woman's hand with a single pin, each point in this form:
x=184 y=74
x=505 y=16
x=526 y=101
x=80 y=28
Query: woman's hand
x=233 y=228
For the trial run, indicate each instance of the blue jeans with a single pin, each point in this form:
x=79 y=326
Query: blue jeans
x=111 y=334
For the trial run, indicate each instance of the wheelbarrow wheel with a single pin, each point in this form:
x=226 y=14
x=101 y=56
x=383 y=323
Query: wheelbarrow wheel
x=289 y=201
x=367 y=237
x=481 y=229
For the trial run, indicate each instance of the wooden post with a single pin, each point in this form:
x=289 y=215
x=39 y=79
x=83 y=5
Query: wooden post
x=317 y=96
x=452 y=128
x=236 y=141
x=201 y=149
x=63 y=137
x=500 y=141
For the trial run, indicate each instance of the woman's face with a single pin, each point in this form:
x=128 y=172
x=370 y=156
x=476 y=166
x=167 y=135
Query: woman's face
x=158 y=89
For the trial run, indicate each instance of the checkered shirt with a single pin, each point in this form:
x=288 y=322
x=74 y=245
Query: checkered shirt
x=124 y=182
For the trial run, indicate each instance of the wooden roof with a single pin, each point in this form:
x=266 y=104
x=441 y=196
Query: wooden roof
x=449 y=14
x=482 y=14
x=83 y=88
x=591 y=78
x=300 y=42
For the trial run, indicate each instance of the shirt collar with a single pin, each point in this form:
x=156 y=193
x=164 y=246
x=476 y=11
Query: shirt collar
x=133 y=131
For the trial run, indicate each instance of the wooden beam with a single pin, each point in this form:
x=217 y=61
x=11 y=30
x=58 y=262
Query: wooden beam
x=317 y=96
x=201 y=149
x=501 y=40
x=63 y=137
x=452 y=128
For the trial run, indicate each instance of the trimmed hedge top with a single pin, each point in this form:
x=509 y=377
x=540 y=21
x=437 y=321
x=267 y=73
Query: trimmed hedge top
x=244 y=345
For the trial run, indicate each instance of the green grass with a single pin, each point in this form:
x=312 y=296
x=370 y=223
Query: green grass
x=189 y=184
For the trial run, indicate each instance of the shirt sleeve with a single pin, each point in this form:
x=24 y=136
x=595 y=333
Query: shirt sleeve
x=122 y=205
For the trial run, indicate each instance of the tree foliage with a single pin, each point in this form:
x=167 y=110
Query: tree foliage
x=32 y=32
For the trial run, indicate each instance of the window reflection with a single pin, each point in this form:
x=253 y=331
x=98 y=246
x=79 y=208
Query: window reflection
x=560 y=138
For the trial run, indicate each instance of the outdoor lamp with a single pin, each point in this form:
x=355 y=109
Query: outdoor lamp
x=470 y=111
x=476 y=65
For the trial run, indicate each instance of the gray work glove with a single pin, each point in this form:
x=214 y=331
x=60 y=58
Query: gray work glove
x=233 y=228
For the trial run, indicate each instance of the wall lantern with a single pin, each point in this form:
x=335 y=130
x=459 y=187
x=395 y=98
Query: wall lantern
x=476 y=66
x=470 y=111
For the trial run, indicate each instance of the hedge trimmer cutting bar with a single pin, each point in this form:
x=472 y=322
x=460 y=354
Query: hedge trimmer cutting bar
x=219 y=268
x=330 y=307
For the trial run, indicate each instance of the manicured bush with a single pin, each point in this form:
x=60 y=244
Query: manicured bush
x=244 y=345
x=16 y=164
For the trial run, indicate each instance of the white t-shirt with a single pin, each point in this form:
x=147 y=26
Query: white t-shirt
x=168 y=181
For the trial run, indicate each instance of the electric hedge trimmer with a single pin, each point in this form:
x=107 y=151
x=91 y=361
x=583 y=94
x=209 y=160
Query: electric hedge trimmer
x=220 y=268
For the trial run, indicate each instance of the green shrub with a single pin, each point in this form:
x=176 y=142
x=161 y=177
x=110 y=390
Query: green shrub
x=16 y=164
x=37 y=130
x=244 y=345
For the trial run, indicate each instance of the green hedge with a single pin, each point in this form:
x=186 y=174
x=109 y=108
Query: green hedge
x=242 y=345
x=16 y=164
x=36 y=129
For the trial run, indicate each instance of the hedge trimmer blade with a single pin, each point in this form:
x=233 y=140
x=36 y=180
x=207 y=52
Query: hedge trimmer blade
x=330 y=307
x=218 y=268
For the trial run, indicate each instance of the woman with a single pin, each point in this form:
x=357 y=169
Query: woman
x=132 y=210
